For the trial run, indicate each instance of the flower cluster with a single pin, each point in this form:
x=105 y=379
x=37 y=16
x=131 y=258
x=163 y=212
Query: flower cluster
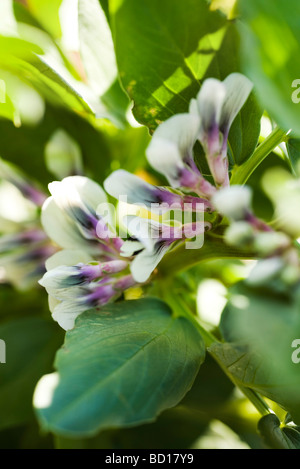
x=278 y=256
x=171 y=153
x=24 y=246
x=89 y=271
x=96 y=266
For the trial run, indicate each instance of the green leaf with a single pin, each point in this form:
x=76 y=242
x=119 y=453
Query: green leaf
x=293 y=149
x=245 y=367
x=47 y=13
x=270 y=45
x=63 y=155
x=213 y=248
x=278 y=437
x=12 y=47
x=121 y=366
x=261 y=326
x=7 y=108
x=30 y=347
x=245 y=131
x=164 y=50
x=174 y=429
x=211 y=388
x=169 y=60
x=17 y=142
x=51 y=83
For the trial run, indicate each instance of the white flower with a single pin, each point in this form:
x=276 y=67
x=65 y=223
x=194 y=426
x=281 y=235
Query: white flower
x=89 y=271
x=122 y=184
x=265 y=270
x=151 y=240
x=209 y=120
x=233 y=202
x=26 y=186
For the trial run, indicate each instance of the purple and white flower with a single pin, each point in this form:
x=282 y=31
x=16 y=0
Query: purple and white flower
x=89 y=271
x=121 y=184
x=24 y=246
x=28 y=188
x=151 y=240
x=209 y=120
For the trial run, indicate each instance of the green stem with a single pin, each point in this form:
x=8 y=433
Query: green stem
x=256 y=400
x=183 y=310
x=213 y=248
x=242 y=173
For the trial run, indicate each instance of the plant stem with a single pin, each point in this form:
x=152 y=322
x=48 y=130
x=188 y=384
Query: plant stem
x=242 y=173
x=213 y=248
x=256 y=400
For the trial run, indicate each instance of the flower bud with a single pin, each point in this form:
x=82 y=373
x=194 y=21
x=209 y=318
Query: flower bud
x=233 y=202
x=239 y=233
x=267 y=243
x=290 y=274
x=264 y=271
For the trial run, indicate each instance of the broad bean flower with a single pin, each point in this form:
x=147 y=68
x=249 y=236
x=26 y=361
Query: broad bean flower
x=96 y=266
x=171 y=152
x=89 y=271
x=24 y=246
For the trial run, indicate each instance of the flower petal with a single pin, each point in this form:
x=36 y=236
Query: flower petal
x=62 y=230
x=146 y=261
x=210 y=102
x=172 y=144
x=79 y=198
x=122 y=184
x=66 y=312
x=68 y=257
x=233 y=202
x=148 y=234
x=131 y=247
x=238 y=88
x=78 y=191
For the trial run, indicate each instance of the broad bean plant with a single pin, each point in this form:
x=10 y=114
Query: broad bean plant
x=149 y=221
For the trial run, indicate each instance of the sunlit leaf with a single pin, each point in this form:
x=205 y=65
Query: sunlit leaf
x=47 y=13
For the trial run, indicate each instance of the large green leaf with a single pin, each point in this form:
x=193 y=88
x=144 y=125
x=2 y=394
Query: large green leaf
x=17 y=143
x=121 y=366
x=31 y=344
x=53 y=82
x=270 y=47
x=164 y=50
x=47 y=13
x=262 y=326
x=175 y=428
x=211 y=388
x=245 y=131
x=293 y=149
